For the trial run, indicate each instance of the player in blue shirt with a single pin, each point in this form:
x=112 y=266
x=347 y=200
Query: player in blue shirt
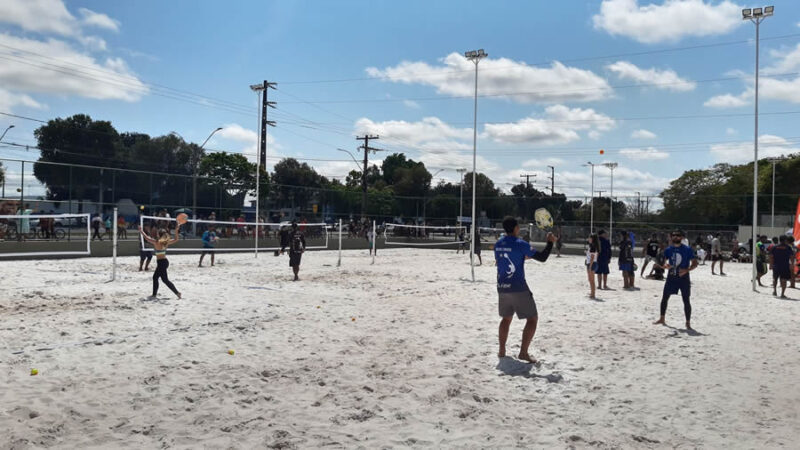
x=680 y=260
x=603 y=260
x=513 y=293
x=209 y=239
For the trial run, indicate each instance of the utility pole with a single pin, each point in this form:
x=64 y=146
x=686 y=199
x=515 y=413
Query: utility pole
x=261 y=159
x=527 y=177
x=367 y=149
x=552 y=181
x=461 y=195
x=639 y=204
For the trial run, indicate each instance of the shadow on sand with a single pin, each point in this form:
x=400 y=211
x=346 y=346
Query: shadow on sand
x=516 y=368
x=677 y=331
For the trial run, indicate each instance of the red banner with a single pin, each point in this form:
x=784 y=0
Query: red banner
x=796 y=231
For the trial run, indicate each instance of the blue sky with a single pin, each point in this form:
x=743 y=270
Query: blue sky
x=563 y=80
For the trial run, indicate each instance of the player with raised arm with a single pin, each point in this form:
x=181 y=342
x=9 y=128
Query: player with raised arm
x=649 y=252
x=513 y=293
x=680 y=260
x=162 y=264
x=296 y=241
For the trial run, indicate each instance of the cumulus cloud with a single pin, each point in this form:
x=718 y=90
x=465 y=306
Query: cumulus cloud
x=728 y=101
x=411 y=104
x=769 y=146
x=669 y=21
x=659 y=79
x=99 y=20
x=560 y=125
x=8 y=100
x=52 y=55
x=500 y=78
x=421 y=134
x=74 y=73
x=649 y=153
x=643 y=134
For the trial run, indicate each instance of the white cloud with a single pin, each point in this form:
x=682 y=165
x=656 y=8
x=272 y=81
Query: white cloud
x=8 y=100
x=671 y=20
x=41 y=16
x=728 y=101
x=649 y=153
x=660 y=79
x=233 y=134
x=557 y=83
x=560 y=125
x=99 y=20
x=643 y=134
x=411 y=104
x=415 y=134
x=769 y=146
x=626 y=181
x=544 y=162
x=77 y=73
x=731 y=131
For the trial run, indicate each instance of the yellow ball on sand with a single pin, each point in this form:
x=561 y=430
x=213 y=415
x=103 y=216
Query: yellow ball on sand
x=34 y=372
x=318 y=307
x=231 y=352
x=353 y=319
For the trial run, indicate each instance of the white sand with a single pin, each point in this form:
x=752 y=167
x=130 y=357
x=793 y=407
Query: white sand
x=417 y=367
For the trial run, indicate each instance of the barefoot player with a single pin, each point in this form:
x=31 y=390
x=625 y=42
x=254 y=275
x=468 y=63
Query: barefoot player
x=514 y=296
x=680 y=261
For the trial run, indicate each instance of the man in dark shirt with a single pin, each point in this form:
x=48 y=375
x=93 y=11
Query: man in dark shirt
x=626 y=260
x=297 y=245
x=680 y=260
x=513 y=293
x=649 y=252
x=603 y=260
x=781 y=260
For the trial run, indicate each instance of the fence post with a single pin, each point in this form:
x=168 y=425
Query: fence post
x=374 y=242
x=339 y=263
x=114 y=227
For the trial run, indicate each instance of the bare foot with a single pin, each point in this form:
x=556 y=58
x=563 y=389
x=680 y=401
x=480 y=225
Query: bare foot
x=660 y=322
x=501 y=353
x=526 y=357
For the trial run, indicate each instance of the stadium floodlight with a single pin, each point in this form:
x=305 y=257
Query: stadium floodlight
x=591 y=207
x=475 y=57
x=611 y=166
x=747 y=13
x=758 y=16
x=257 y=87
x=4 y=132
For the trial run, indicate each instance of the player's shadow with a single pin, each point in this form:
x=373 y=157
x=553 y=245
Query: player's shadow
x=677 y=331
x=516 y=368
x=789 y=299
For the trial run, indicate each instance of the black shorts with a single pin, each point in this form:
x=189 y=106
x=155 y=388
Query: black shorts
x=716 y=257
x=145 y=255
x=294 y=259
x=678 y=284
x=785 y=274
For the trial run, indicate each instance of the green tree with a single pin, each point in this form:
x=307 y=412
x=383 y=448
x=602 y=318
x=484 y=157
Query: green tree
x=234 y=171
x=295 y=183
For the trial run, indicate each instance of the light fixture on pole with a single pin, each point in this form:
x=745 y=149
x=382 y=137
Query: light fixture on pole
x=4 y=132
x=611 y=166
x=351 y=156
x=194 y=175
x=461 y=195
x=756 y=15
x=591 y=207
x=475 y=56
x=774 y=161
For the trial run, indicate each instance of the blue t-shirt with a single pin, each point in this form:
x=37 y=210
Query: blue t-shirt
x=781 y=258
x=678 y=258
x=208 y=239
x=510 y=253
x=605 y=250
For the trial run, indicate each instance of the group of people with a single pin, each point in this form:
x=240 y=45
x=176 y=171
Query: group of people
x=291 y=237
x=779 y=256
x=515 y=297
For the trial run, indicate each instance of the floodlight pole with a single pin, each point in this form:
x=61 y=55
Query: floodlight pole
x=756 y=15
x=611 y=167
x=475 y=57
x=4 y=132
x=774 y=161
x=591 y=205
x=461 y=195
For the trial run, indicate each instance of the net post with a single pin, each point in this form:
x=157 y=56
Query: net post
x=115 y=227
x=256 y=235
x=374 y=241
x=339 y=262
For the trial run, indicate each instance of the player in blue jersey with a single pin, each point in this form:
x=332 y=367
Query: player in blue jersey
x=514 y=296
x=680 y=260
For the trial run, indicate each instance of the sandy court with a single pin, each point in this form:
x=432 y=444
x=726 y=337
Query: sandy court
x=417 y=367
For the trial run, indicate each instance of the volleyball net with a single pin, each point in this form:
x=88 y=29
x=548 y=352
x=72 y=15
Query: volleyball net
x=45 y=235
x=424 y=235
x=231 y=236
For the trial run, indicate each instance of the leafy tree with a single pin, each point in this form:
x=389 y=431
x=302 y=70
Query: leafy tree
x=295 y=182
x=233 y=170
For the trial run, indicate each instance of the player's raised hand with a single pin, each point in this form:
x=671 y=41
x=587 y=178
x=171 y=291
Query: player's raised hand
x=551 y=237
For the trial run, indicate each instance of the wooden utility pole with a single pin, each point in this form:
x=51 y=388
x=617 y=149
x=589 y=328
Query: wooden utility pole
x=367 y=149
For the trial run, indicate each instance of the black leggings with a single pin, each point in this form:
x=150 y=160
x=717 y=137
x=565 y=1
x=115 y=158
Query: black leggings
x=161 y=272
x=687 y=307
